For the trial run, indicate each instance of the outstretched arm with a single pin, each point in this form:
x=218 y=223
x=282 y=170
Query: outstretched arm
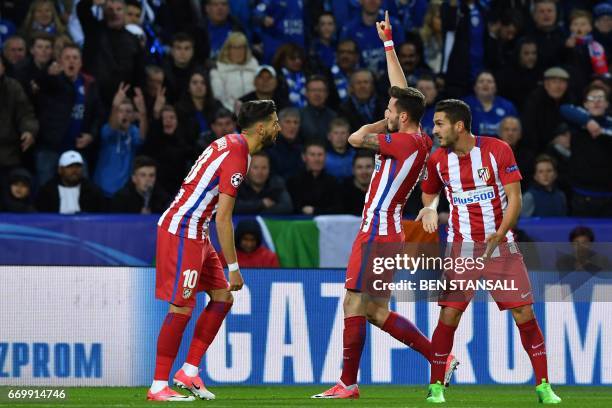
x=396 y=74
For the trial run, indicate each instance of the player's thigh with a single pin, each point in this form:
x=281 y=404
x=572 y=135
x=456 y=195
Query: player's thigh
x=511 y=272
x=212 y=277
x=179 y=262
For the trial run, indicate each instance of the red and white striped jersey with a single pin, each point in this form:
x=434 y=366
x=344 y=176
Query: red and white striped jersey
x=474 y=186
x=219 y=169
x=397 y=167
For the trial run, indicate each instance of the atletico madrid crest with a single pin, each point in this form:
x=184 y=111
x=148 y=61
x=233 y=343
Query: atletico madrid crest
x=484 y=174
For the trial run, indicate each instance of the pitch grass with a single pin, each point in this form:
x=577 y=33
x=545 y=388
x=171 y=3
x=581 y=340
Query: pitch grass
x=298 y=396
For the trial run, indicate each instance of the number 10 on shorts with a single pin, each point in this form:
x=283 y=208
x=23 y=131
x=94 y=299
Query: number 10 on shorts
x=189 y=283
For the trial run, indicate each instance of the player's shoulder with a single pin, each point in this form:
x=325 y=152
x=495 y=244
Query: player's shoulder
x=492 y=144
x=440 y=154
x=234 y=142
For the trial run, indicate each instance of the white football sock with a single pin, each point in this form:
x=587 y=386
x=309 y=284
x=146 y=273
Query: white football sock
x=157 y=386
x=190 y=370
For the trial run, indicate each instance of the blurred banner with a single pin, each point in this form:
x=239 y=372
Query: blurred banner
x=300 y=242
x=99 y=325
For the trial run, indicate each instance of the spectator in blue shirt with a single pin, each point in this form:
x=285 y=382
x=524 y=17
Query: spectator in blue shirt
x=543 y=198
x=363 y=30
x=219 y=24
x=339 y=158
x=324 y=44
x=119 y=141
x=282 y=22
x=488 y=109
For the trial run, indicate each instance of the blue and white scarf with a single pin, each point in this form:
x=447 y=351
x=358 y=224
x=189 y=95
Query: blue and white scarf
x=366 y=109
x=341 y=81
x=296 y=82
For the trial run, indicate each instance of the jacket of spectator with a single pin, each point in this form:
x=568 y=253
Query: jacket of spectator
x=188 y=118
x=250 y=201
x=540 y=118
x=590 y=164
x=320 y=192
x=314 y=123
x=111 y=55
x=517 y=81
x=231 y=81
x=173 y=155
x=127 y=200
x=285 y=157
x=16 y=116
x=176 y=79
x=541 y=202
x=90 y=197
x=56 y=99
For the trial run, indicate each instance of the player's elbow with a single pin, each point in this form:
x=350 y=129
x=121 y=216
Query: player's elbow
x=355 y=140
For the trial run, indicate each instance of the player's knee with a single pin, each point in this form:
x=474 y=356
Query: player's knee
x=373 y=314
x=450 y=316
x=222 y=296
x=185 y=310
x=523 y=314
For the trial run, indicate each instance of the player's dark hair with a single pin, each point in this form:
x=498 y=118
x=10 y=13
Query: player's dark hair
x=582 y=231
x=255 y=111
x=456 y=110
x=409 y=100
x=143 y=161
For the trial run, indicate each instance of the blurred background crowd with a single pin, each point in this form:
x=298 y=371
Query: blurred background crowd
x=106 y=104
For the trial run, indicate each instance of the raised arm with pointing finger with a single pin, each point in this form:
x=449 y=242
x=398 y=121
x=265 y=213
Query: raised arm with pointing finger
x=394 y=69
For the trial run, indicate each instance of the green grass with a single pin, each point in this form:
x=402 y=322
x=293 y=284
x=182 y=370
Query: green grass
x=298 y=396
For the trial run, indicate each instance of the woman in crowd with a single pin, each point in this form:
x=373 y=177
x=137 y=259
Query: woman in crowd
x=42 y=16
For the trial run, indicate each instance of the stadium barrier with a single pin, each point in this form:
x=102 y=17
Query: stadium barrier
x=97 y=326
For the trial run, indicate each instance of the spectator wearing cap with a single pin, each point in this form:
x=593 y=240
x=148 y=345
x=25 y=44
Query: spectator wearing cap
x=223 y=123
x=261 y=192
x=286 y=153
x=487 y=108
x=119 y=141
x=266 y=87
x=250 y=252
x=14 y=51
x=511 y=132
x=141 y=194
x=544 y=198
x=19 y=123
x=314 y=191
x=547 y=33
x=354 y=189
x=363 y=105
x=70 y=192
x=70 y=113
x=235 y=71
x=602 y=14
x=541 y=114
x=590 y=164
x=281 y=22
x=17 y=196
x=110 y=52
x=168 y=145
x=315 y=117
x=583 y=258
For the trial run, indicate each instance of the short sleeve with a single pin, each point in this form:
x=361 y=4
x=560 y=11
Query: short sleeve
x=506 y=165
x=232 y=172
x=431 y=183
x=395 y=145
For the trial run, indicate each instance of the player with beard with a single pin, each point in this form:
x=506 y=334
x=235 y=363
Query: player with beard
x=187 y=263
x=482 y=185
x=401 y=152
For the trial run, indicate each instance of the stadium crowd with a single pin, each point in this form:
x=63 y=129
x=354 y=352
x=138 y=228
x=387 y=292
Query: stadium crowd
x=106 y=104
